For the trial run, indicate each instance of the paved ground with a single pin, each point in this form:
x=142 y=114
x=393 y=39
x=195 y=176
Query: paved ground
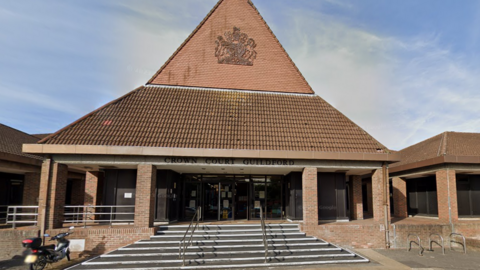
x=398 y=259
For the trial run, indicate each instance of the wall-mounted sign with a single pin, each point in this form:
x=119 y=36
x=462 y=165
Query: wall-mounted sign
x=230 y=161
x=127 y=195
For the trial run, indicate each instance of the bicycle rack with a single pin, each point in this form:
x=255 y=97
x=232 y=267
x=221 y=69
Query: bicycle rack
x=421 y=249
x=431 y=241
x=450 y=240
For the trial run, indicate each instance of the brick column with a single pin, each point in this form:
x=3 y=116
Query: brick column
x=377 y=195
x=357 y=200
x=447 y=195
x=53 y=188
x=309 y=196
x=145 y=195
x=399 y=197
x=91 y=188
x=31 y=189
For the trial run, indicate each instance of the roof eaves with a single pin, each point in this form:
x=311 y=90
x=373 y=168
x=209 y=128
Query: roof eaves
x=44 y=140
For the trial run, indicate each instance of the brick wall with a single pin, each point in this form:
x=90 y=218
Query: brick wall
x=377 y=195
x=11 y=241
x=31 y=187
x=357 y=202
x=53 y=187
x=78 y=191
x=91 y=188
x=400 y=197
x=103 y=240
x=349 y=235
x=145 y=195
x=309 y=196
x=447 y=195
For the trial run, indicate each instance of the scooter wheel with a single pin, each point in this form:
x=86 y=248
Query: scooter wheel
x=40 y=263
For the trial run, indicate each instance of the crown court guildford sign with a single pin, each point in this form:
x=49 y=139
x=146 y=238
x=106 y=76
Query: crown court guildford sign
x=229 y=161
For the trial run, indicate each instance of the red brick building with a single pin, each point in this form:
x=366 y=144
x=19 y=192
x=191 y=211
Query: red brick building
x=229 y=124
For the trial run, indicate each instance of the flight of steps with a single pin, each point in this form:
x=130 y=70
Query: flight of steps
x=222 y=247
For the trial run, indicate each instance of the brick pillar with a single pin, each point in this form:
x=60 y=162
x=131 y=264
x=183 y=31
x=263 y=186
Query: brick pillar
x=145 y=195
x=53 y=188
x=91 y=188
x=309 y=196
x=377 y=195
x=369 y=198
x=399 y=197
x=447 y=195
x=357 y=200
x=31 y=189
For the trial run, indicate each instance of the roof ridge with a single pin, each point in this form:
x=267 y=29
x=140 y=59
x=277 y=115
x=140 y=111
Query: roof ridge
x=229 y=89
x=185 y=42
x=19 y=131
x=89 y=114
x=444 y=144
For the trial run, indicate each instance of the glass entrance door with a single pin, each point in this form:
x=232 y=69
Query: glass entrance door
x=226 y=201
x=211 y=199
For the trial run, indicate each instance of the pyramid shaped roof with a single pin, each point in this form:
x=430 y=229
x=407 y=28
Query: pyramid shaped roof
x=233 y=48
x=211 y=109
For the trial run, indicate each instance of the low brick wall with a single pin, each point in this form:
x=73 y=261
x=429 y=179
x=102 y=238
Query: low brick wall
x=102 y=240
x=11 y=241
x=372 y=235
x=349 y=235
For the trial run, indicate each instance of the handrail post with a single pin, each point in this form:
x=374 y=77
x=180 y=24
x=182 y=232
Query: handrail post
x=111 y=215
x=14 y=217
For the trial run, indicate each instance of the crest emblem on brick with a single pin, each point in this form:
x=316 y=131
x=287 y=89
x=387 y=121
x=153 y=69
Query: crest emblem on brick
x=236 y=48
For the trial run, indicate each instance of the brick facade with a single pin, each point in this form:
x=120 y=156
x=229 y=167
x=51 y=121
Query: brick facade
x=145 y=195
x=310 y=197
x=447 y=195
x=92 y=196
x=53 y=187
x=400 y=197
x=357 y=200
x=78 y=191
x=377 y=196
x=31 y=186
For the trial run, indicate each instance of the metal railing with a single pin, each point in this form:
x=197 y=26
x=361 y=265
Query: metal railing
x=464 y=244
x=3 y=214
x=182 y=242
x=21 y=214
x=421 y=249
x=98 y=214
x=264 y=234
x=431 y=241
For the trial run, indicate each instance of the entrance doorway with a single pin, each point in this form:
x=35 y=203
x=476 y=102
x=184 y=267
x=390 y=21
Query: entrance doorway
x=232 y=197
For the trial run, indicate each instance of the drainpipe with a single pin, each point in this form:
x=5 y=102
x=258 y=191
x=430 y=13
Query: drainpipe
x=386 y=198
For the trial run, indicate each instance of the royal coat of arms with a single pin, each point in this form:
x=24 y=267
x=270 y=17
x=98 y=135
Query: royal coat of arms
x=235 y=49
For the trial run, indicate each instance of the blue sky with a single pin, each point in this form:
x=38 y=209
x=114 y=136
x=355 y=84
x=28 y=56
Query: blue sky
x=402 y=70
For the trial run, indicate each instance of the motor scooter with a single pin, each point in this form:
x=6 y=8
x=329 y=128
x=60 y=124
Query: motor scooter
x=39 y=256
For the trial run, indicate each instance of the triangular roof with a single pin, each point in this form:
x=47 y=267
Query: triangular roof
x=220 y=54
x=185 y=117
x=452 y=144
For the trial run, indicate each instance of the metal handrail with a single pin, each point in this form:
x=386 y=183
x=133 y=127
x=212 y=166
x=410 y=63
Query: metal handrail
x=464 y=242
x=430 y=242
x=264 y=234
x=421 y=249
x=185 y=244
x=12 y=215
x=84 y=213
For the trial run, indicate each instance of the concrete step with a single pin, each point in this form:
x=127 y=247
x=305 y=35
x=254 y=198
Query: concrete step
x=178 y=237
x=240 y=231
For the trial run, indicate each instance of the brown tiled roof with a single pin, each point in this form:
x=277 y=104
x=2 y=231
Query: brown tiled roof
x=41 y=136
x=444 y=144
x=195 y=64
x=11 y=141
x=218 y=119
